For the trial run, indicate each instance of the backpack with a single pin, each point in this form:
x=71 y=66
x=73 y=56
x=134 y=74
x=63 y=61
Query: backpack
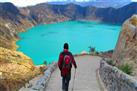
x=67 y=61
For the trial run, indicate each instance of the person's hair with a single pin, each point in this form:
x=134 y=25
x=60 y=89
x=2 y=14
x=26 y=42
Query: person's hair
x=66 y=46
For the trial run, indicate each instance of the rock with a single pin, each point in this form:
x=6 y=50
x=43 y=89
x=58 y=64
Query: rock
x=41 y=82
x=133 y=20
x=116 y=80
x=126 y=48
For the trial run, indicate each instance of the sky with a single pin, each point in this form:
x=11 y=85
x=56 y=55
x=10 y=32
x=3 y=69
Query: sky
x=22 y=3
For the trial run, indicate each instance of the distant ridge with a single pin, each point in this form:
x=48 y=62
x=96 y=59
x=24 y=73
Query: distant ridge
x=98 y=4
x=73 y=12
x=8 y=11
x=40 y=13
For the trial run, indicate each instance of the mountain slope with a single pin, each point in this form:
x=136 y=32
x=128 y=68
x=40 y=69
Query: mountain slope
x=52 y=12
x=15 y=68
x=11 y=23
x=9 y=11
x=119 y=15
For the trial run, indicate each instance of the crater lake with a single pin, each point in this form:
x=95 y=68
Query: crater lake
x=45 y=42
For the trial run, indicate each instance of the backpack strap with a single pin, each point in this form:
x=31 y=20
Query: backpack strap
x=65 y=53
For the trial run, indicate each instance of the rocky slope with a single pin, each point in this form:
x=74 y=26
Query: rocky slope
x=46 y=13
x=126 y=49
x=15 y=68
x=11 y=23
x=112 y=15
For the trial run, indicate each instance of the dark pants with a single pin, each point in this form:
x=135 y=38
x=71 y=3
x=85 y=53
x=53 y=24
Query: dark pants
x=65 y=82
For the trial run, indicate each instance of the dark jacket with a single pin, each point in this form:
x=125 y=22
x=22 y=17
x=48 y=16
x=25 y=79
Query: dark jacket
x=64 y=71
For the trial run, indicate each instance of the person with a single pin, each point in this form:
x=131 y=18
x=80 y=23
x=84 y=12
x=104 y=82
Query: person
x=65 y=62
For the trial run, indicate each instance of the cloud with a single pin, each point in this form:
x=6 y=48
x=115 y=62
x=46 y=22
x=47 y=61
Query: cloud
x=5 y=0
x=134 y=0
x=34 y=2
x=27 y=2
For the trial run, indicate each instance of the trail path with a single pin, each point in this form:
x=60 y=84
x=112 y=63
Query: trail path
x=86 y=78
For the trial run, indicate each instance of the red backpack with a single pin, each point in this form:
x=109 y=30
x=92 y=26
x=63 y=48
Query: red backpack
x=67 y=61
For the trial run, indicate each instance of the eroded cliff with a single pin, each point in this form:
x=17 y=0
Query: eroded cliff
x=126 y=49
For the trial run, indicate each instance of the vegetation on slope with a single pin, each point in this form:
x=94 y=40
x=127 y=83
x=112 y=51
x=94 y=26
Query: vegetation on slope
x=15 y=70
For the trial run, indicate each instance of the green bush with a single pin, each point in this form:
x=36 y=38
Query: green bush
x=45 y=62
x=127 y=68
x=92 y=49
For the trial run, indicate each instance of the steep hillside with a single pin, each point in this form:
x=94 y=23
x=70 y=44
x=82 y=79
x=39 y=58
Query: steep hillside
x=43 y=13
x=126 y=49
x=48 y=13
x=11 y=23
x=15 y=68
x=10 y=10
x=112 y=15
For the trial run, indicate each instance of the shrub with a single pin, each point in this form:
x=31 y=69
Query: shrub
x=127 y=68
x=91 y=49
x=45 y=62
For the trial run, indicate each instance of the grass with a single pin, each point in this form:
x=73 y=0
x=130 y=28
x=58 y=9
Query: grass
x=127 y=68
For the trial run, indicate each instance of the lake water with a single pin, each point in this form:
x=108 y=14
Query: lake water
x=45 y=42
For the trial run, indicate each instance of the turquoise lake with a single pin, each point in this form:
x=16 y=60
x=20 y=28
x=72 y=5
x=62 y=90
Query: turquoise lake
x=45 y=42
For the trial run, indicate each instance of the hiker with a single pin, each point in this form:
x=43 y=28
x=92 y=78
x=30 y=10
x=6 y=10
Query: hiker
x=65 y=62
